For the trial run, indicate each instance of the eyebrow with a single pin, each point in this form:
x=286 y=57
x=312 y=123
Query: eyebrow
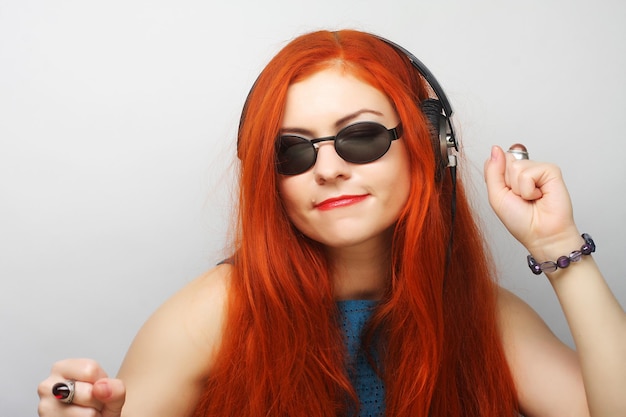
x=338 y=124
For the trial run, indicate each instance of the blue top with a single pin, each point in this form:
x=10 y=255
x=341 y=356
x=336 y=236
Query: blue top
x=369 y=387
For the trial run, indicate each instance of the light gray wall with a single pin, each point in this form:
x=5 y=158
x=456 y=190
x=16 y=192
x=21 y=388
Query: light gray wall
x=117 y=125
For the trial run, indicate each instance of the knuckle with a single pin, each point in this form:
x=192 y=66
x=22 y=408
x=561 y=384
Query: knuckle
x=45 y=408
x=90 y=369
x=43 y=388
x=78 y=369
x=58 y=366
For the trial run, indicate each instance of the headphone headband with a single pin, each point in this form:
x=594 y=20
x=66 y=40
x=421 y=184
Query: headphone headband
x=425 y=72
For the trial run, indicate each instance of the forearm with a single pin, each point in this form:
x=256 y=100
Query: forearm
x=598 y=326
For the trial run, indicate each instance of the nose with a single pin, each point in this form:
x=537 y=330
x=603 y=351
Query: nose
x=329 y=166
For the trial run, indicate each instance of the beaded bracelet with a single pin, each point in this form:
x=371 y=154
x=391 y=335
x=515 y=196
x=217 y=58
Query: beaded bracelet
x=563 y=262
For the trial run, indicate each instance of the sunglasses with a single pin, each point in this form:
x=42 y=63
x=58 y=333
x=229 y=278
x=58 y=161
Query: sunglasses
x=358 y=143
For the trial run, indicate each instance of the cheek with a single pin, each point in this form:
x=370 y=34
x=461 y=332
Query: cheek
x=399 y=191
x=292 y=194
x=399 y=181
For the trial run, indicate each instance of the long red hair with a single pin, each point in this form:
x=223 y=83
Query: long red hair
x=435 y=330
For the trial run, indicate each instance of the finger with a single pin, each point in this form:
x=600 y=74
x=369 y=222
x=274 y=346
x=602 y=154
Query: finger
x=112 y=394
x=86 y=370
x=522 y=176
x=494 y=173
x=527 y=184
x=54 y=408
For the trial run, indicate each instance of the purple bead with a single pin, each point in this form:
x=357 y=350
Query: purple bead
x=586 y=249
x=562 y=262
x=533 y=265
x=589 y=241
x=549 y=266
x=575 y=256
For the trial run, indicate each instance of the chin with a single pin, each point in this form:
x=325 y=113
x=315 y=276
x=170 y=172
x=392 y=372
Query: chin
x=351 y=235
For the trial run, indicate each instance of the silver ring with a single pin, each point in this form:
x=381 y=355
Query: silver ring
x=64 y=391
x=518 y=151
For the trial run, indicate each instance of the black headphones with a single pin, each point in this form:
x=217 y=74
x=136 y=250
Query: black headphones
x=438 y=112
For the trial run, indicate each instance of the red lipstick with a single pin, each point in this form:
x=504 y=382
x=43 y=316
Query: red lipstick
x=341 y=201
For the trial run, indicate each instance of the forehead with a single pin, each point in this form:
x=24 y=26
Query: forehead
x=329 y=95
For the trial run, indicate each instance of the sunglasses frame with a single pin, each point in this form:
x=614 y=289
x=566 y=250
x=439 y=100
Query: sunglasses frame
x=391 y=134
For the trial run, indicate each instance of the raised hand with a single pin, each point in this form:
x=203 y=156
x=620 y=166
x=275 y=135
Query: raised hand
x=531 y=200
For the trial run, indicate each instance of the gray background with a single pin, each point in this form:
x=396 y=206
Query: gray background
x=117 y=126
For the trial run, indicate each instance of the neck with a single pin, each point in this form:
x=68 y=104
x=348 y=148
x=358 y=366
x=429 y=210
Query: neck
x=360 y=273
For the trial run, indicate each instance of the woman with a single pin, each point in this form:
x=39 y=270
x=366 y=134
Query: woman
x=360 y=282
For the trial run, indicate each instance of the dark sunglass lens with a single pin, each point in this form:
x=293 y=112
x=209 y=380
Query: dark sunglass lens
x=363 y=142
x=295 y=155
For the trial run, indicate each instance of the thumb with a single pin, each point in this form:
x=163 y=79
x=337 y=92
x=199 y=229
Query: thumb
x=494 y=173
x=112 y=394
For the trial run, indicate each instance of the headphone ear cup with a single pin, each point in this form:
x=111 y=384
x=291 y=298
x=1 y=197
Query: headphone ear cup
x=437 y=125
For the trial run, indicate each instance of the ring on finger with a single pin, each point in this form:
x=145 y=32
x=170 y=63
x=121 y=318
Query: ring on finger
x=518 y=151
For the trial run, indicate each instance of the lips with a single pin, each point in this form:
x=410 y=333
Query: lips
x=342 y=201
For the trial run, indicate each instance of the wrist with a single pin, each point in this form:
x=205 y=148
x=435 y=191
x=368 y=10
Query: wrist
x=555 y=245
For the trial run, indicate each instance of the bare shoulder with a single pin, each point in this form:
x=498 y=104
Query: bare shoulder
x=202 y=305
x=546 y=371
x=194 y=316
x=199 y=308
x=177 y=347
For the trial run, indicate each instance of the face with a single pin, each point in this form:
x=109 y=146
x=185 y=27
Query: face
x=335 y=202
